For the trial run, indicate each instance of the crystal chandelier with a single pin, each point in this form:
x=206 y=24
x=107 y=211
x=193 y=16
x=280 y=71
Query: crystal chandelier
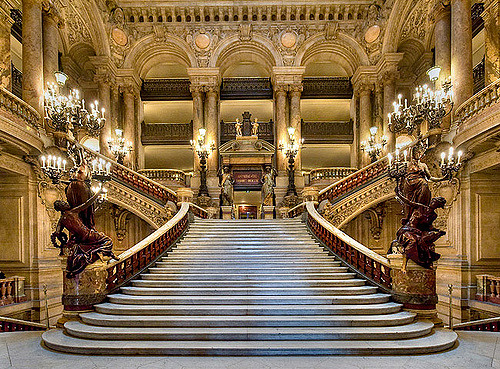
x=64 y=113
x=118 y=147
x=429 y=106
x=372 y=146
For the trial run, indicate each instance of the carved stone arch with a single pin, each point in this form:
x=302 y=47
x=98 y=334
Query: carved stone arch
x=343 y=49
x=148 y=52
x=399 y=13
x=81 y=54
x=232 y=49
x=412 y=50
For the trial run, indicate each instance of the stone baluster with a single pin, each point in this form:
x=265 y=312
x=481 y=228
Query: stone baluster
x=442 y=36
x=6 y=23
x=461 y=51
x=491 y=17
x=32 y=54
x=50 y=24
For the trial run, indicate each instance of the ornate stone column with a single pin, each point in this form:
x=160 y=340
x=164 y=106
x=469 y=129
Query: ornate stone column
x=295 y=120
x=115 y=105
x=365 y=114
x=491 y=17
x=389 y=98
x=212 y=126
x=139 y=117
x=129 y=126
x=280 y=92
x=50 y=24
x=442 y=37
x=198 y=94
x=32 y=54
x=461 y=51
x=6 y=23
x=103 y=86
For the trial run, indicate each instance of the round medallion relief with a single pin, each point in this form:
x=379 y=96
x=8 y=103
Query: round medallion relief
x=202 y=41
x=372 y=34
x=119 y=36
x=288 y=39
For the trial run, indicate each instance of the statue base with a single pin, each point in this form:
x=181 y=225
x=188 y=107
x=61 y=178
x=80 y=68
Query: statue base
x=227 y=212
x=268 y=212
x=86 y=289
x=415 y=288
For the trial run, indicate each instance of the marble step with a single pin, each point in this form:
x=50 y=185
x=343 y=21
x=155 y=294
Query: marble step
x=249 y=291
x=371 y=320
x=249 y=284
x=248 y=253
x=437 y=341
x=245 y=277
x=415 y=329
x=243 y=270
x=259 y=264
x=374 y=298
x=201 y=246
x=171 y=258
x=247 y=310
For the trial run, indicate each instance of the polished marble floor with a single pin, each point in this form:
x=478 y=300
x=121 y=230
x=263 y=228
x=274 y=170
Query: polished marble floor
x=475 y=350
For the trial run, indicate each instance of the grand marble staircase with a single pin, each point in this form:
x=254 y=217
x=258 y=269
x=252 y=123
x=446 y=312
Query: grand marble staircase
x=248 y=288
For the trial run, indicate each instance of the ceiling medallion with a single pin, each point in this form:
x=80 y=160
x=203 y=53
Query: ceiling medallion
x=372 y=33
x=289 y=39
x=119 y=36
x=202 y=41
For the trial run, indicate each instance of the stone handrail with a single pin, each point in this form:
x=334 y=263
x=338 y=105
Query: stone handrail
x=20 y=108
x=330 y=173
x=361 y=258
x=476 y=104
x=356 y=179
x=173 y=175
x=489 y=325
x=16 y=325
x=134 y=260
x=136 y=181
x=296 y=210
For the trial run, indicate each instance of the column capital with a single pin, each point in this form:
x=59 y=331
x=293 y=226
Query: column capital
x=208 y=79
x=388 y=67
x=287 y=75
x=50 y=10
x=440 y=9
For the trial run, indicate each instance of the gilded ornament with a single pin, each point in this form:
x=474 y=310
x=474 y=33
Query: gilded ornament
x=288 y=39
x=202 y=41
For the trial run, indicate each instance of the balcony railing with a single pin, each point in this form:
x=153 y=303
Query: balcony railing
x=329 y=174
x=167 y=176
x=478 y=74
x=16 y=107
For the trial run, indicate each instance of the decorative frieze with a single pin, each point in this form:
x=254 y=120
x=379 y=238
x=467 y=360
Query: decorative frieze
x=166 y=89
x=166 y=133
x=327 y=132
x=327 y=87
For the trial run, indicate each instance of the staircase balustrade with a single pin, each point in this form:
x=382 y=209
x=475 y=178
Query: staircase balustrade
x=16 y=325
x=137 y=181
x=365 y=261
x=488 y=288
x=137 y=258
x=488 y=325
x=20 y=109
x=174 y=176
x=334 y=173
x=353 y=181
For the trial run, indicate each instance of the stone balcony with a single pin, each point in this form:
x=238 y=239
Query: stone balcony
x=478 y=120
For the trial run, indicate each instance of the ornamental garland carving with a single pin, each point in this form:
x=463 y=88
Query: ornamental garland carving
x=77 y=29
x=417 y=23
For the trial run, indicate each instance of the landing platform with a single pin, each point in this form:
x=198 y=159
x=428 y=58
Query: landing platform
x=476 y=350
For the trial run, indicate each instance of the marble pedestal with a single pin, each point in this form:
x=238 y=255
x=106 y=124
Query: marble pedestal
x=415 y=288
x=268 y=212
x=227 y=212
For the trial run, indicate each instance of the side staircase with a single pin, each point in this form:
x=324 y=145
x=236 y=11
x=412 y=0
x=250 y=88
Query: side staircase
x=256 y=287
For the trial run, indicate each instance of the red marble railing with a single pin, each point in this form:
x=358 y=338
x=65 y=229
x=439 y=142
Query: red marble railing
x=367 y=262
x=137 y=258
x=488 y=325
x=16 y=325
x=360 y=177
x=136 y=181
